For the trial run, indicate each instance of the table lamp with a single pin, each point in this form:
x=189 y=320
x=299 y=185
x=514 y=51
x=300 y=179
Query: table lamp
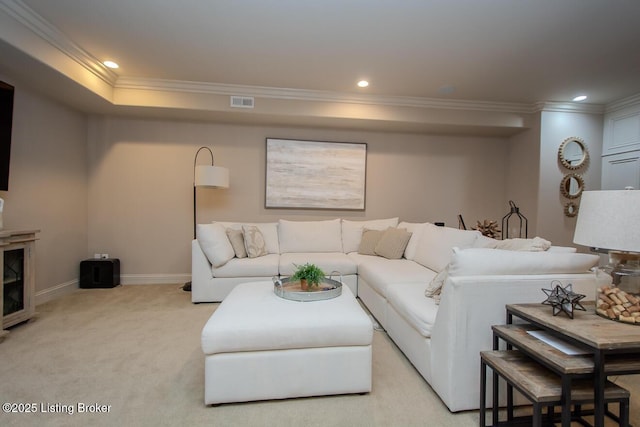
x=609 y=222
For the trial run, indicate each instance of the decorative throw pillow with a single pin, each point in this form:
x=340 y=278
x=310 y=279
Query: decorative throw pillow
x=537 y=244
x=352 y=231
x=370 y=239
x=237 y=242
x=434 y=288
x=214 y=243
x=253 y=241
x=392 y=243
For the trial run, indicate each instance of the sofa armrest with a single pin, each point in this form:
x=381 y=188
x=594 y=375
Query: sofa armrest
x=469 y=306
x=201 y=269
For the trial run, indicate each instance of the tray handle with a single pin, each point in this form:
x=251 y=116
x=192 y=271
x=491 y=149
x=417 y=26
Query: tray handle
x=335 y=272
x=277 y=281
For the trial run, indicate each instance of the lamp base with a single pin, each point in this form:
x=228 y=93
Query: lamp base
x=620 y=300
x=187 y=287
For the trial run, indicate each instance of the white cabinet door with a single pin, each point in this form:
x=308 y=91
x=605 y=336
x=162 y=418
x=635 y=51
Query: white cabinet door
x=621 y=170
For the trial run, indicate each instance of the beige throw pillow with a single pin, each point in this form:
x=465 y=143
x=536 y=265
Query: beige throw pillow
x=393 y=243
x=370 y=239
x=254 y=242
x=237 y=242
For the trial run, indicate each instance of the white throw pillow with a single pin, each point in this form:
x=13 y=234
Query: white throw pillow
x=352 y=231
x=214 y=243
x=537 y=244
x=269 y=231
x=310 y=236
x=486 y=262
x=416 y=231
x=436 y=243
x=253 y=241
x=434 y=287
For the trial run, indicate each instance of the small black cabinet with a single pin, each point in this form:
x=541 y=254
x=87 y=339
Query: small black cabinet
x=99 y=273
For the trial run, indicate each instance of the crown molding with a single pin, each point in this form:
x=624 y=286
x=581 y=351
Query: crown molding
x=568 y=107
x=631 y=101
x=50 y=34
x=315 y=95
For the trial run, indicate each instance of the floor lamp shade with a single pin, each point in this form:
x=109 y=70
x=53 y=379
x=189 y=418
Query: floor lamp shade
x=609 y=220
x=211 y=176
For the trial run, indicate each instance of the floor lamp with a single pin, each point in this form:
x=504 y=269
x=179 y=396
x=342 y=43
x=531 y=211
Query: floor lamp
x=206 y=176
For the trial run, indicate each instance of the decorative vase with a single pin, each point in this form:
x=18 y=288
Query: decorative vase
x=304 y=285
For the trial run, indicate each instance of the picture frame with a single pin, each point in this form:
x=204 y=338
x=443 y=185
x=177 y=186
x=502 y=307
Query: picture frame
x=302 y=174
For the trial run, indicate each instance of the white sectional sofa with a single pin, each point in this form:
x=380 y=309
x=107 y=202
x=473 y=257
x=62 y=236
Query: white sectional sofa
x=468 y=280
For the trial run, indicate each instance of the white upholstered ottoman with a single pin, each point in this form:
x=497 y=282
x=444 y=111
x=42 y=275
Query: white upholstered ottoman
x=259 y=346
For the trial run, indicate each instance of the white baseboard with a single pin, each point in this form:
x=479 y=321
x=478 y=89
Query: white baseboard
x=154 y=279
x=56 y=291
x=127 y=279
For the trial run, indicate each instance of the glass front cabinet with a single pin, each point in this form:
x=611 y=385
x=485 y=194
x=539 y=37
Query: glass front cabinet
x=17 y=262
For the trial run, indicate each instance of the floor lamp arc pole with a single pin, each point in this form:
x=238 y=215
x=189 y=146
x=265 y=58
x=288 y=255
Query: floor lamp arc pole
x=206 y=176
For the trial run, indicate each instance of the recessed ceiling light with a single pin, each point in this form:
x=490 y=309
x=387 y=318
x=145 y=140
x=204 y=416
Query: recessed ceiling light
x=111 y=64
x=580 y=98
x=363 y=83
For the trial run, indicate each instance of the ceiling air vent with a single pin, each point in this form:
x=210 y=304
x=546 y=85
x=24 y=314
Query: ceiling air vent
x=242 y=101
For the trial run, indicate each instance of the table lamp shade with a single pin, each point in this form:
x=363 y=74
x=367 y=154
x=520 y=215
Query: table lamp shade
x=211 y=176
x=609 y=220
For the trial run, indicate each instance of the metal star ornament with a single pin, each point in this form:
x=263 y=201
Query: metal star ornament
x=563 y=299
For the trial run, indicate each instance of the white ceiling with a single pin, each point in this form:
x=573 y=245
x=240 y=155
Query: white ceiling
x=505 y=51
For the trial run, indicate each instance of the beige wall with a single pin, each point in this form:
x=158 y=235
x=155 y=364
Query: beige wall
x=555 y=128
x=48 y=186
x=140 y=184
x=123 y=186
x=523 y=173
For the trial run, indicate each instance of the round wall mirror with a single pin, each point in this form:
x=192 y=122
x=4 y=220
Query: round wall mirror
x=573 y=153
x=570 y=209
x=571 y=186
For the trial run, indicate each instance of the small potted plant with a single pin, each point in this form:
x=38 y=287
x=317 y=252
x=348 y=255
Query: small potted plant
x=309 y=276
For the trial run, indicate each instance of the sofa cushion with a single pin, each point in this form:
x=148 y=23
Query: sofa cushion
x=254 y=241
x=434 y=249
x=416 y=231
x=369 y=241
x=269 y=231
x=310 y=236
x=393 y=243
x=264 y=266
x=408 y=300
x=352 y=231
x=214 y=243
x=485 y=262
x=380 y=272
x=327 y=261
x=236 y=238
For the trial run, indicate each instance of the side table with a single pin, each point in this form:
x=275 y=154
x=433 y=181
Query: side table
x=613 y=348
x=100 y=273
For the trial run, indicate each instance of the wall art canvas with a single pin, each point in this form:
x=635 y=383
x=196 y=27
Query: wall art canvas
x=315 y=174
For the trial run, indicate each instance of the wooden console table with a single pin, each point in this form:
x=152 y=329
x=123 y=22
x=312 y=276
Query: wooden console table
x=614 y=349
x=17 y=262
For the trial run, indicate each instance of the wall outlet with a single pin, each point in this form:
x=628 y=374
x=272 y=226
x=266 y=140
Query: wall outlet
x=97 y=256
x=104 y=256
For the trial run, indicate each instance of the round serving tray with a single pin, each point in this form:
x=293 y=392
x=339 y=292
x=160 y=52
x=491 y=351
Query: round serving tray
x=328 y=289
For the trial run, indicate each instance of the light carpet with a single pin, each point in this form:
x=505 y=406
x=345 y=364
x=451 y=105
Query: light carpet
x=134 y=351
